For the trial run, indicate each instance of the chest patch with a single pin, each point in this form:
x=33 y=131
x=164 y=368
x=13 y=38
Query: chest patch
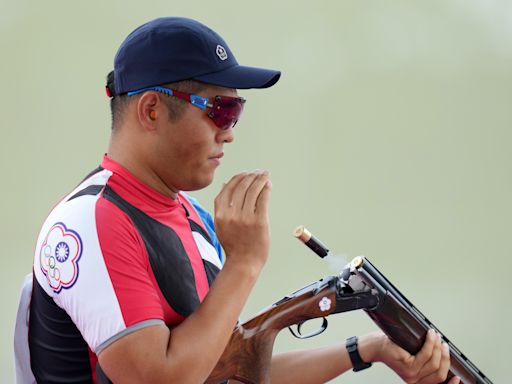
x=59 y=255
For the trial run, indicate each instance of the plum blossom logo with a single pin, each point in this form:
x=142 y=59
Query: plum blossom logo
x=324 y=304
x=59 y=255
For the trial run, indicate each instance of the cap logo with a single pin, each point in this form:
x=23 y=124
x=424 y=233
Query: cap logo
x=221 y=52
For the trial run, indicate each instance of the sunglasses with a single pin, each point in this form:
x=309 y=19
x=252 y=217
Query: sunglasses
x=224 y=111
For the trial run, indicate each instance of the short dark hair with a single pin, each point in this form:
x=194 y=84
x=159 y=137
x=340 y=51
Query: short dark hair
x=175 y=106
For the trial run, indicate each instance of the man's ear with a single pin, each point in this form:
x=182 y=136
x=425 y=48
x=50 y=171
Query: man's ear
x=148 y=106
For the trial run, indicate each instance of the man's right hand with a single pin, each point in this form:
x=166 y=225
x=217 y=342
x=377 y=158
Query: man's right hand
x=241 y=218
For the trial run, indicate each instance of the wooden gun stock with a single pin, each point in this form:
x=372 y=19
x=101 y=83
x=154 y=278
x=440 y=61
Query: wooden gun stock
x=248 y=354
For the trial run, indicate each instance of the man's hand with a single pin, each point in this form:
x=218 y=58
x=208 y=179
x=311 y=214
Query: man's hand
x=429 y=366
x=241 y=218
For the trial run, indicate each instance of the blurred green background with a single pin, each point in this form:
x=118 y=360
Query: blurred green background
x=388 y=135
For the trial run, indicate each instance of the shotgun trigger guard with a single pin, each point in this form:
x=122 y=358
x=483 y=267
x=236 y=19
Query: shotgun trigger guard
x=299 y=335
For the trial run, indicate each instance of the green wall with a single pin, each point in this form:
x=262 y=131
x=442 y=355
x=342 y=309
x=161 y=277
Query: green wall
x=388 y=135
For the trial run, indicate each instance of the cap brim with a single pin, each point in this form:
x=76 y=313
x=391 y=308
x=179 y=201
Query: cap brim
x=242 y=77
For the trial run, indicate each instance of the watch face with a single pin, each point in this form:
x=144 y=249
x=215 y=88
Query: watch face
x=352 y=343
x=351 y=348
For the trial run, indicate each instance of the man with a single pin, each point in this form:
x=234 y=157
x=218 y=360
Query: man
x=129 y=282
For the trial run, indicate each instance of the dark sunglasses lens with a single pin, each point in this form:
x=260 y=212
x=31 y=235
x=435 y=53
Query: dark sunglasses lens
x=226 y=111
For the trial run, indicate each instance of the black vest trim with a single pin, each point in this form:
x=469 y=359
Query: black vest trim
x=167 y=257
x=90 y=190
x=197 y=228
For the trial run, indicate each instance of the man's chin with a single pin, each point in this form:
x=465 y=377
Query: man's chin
x=197 y=185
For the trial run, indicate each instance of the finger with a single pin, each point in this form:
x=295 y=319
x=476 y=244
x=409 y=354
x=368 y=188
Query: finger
x=254 y=191
x=261 y=207
x=433 y=364
x=425 y=353
x=240 y=190
x=445 y=361
x=441 y=370
x=224 y=197
x=454 y=380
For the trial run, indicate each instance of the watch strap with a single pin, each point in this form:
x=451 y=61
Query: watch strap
x=357 y=363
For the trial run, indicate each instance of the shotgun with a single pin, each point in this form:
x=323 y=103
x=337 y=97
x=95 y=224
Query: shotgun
x=360 y=285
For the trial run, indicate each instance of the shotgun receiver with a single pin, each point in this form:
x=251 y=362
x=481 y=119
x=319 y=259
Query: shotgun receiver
x=360 y=285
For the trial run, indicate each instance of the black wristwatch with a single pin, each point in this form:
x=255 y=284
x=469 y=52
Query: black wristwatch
x=357 y=363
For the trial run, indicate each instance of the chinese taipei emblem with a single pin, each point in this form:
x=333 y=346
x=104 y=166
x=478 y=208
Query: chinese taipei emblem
x=59 y=255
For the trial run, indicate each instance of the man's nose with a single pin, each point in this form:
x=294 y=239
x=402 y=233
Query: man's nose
x=225 y=135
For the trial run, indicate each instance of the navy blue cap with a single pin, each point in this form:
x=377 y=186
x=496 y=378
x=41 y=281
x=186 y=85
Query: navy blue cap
x=170 y=49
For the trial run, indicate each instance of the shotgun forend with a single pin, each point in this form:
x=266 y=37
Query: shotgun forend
x=402 y=321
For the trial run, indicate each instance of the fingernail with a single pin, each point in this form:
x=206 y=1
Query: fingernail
x=269 y=184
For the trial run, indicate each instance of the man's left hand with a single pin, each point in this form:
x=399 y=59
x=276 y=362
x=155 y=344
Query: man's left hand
x=429 y=366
